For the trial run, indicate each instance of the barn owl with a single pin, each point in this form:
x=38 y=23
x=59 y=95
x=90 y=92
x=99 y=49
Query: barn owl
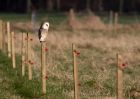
x=43 y=31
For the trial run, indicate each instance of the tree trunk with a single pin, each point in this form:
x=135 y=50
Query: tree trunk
x=88 y=5
x=28 y=6
x=58 y=4
x=100 y=5
x=49 y=5
x=121 y=6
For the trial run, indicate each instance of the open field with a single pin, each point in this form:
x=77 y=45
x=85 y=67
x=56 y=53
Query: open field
x=97 y=62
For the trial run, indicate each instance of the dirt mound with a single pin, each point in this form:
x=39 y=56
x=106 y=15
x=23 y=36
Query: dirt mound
x=94 y=22
x=73 y=22
x=89 y=22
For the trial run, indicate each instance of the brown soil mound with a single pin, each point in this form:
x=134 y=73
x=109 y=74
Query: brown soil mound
x=94 y=22
x=73 y=22
x=89 y=22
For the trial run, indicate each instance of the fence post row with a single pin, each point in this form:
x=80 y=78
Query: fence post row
x=26 y=58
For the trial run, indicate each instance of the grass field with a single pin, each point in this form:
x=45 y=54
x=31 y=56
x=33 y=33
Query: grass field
x=97 y=61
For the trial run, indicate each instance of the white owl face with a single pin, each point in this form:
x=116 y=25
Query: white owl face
x=45 y=25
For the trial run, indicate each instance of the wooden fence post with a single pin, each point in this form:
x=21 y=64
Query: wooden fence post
x=26 y=49
x=23 y=54
x=3 y=36
x=29 y=58
x=110 y=20
x=43 y=67
x=119 y=77
x=13 y=49
x=0 y=35
x=75 y=70
x=8 y=39
x=116 y=23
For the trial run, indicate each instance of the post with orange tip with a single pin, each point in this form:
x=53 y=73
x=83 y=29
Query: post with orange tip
x=75 y=71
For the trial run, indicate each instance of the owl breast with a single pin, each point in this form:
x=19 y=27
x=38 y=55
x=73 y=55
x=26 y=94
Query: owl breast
x=42 y=35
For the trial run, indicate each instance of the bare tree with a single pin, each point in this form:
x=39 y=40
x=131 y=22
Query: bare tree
x=58 y=4
x=100 y=5
x=49 y=5
x=121 y=6
x=28 y=6
x=88 y=5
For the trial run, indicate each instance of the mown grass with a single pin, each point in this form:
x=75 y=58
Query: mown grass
x=57 y=18
x=39 y=17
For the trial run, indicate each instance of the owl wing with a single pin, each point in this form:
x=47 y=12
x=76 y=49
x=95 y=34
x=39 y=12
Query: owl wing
x=42 y=34
x=39 y=33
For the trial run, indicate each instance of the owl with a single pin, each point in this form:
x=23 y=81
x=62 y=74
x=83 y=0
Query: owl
x=43 y=31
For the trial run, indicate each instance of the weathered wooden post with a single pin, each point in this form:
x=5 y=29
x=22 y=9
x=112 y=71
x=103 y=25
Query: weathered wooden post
x=23 y=54
x=4 y=36
x=110 y=20
x=29 y=58
x=119 y=77
x=116 y=23
x=43 y=67
x=43 y=31
x=1 y=35
x=8 y=39
x=75 y=70
x=13 y=49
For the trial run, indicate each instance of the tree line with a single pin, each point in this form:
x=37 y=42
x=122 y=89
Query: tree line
x=64 y=5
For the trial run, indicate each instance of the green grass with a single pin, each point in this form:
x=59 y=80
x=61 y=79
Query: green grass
x=58 y=18
x=57 y=88
x=13 y=83
x=97 y=61
x=27 y=17
x=19 y=85
x=13 y=16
